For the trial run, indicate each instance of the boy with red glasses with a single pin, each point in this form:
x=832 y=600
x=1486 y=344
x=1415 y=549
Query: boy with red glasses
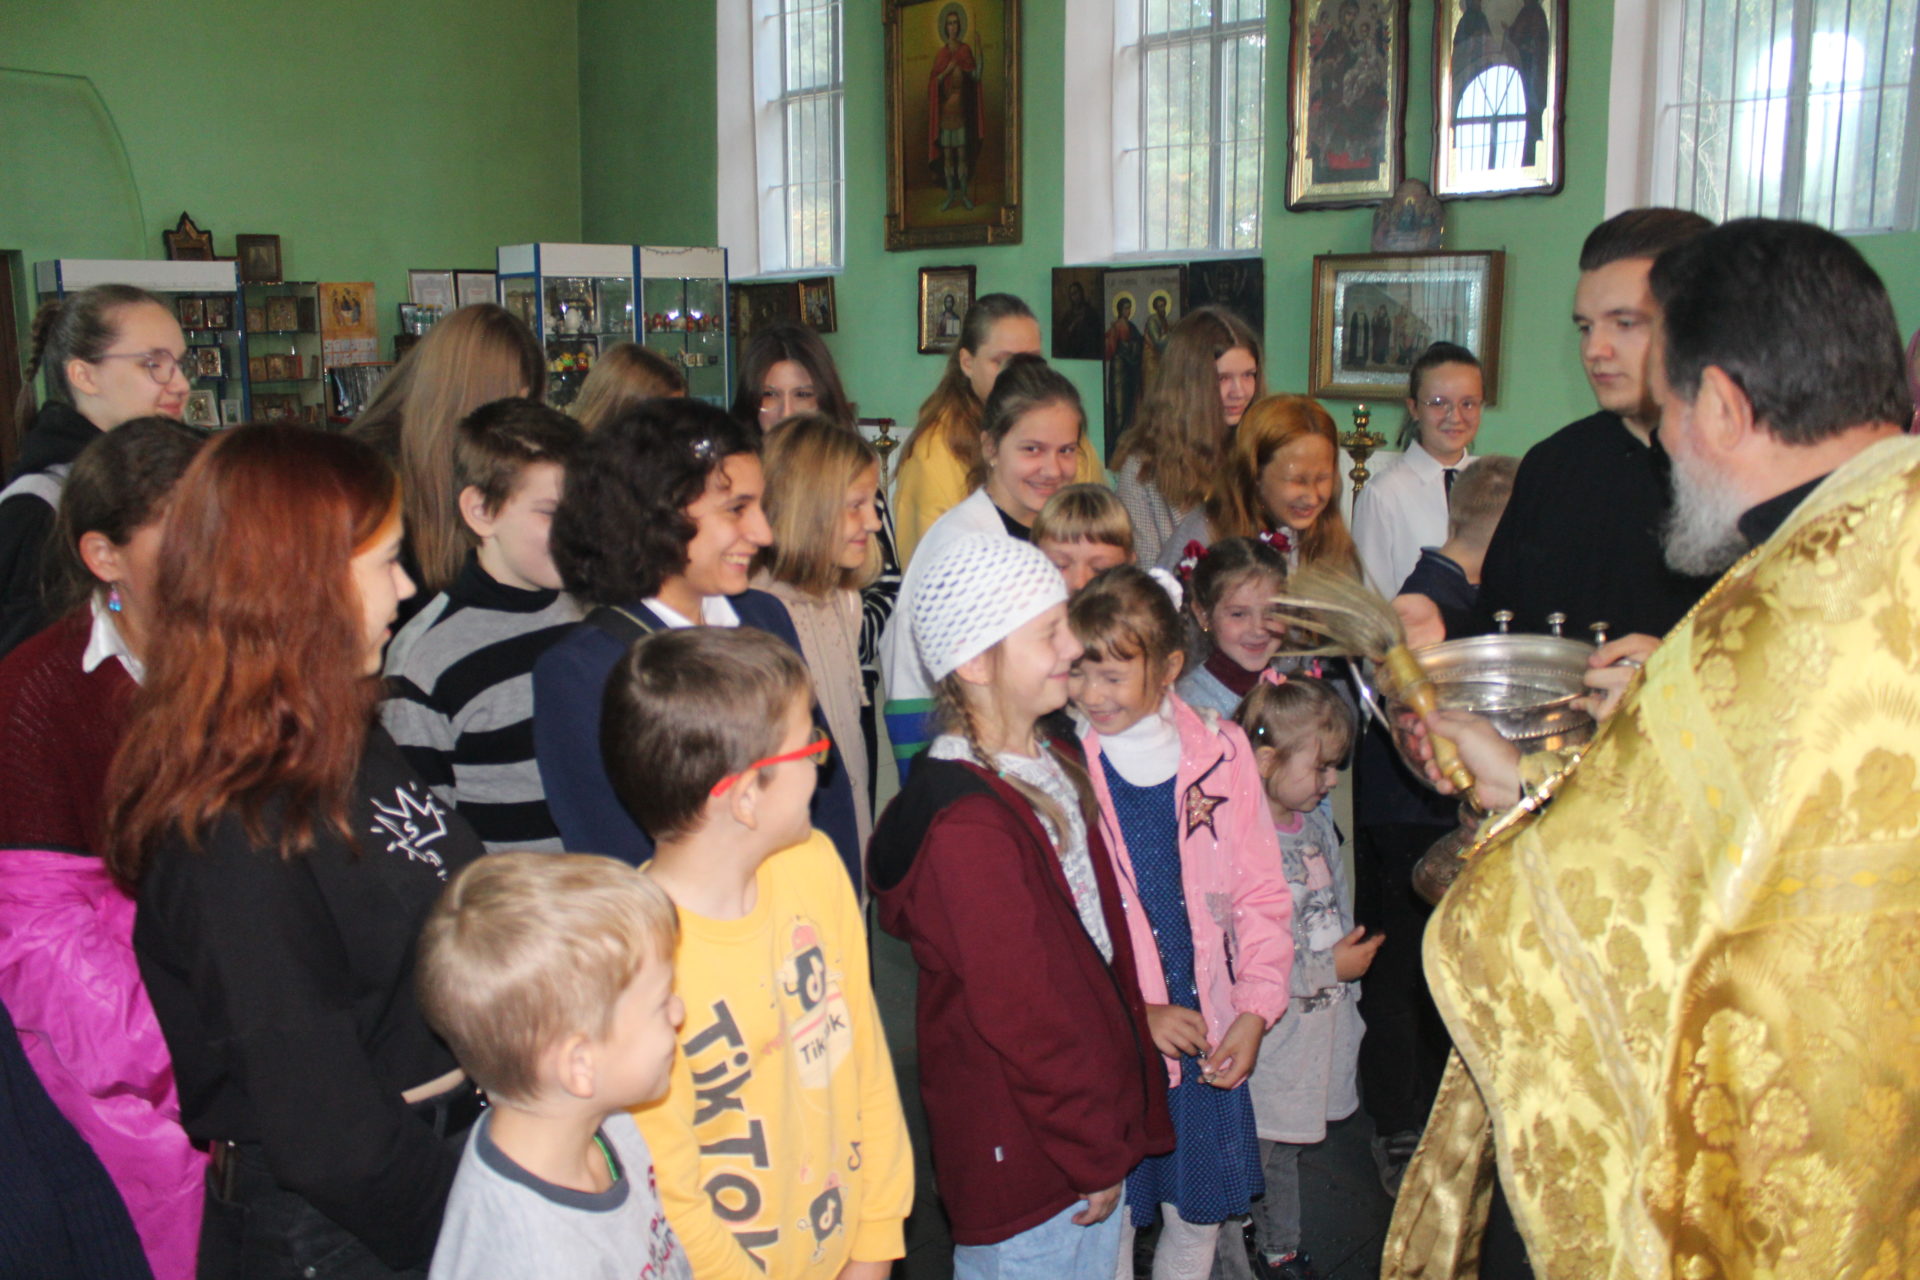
x=780 y=1146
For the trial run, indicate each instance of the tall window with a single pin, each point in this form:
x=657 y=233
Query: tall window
x=781 y=203
x=806 y=189
x=1790 y=109
x=1202 y=111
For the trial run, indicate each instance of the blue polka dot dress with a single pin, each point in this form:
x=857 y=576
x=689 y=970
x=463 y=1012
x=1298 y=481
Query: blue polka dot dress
x=1214 y=1168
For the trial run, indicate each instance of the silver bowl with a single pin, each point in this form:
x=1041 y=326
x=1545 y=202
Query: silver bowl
x=1527 y=686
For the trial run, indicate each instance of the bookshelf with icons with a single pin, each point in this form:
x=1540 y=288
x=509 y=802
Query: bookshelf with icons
x=577 y=298
x=684 y=300
x=284 y=367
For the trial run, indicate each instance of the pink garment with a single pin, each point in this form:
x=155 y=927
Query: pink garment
x=68 y=976
x=1237 y=895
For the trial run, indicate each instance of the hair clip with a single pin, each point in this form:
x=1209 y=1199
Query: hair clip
x=706 y=449
x=1190 y=560
x=1269 y=676
x=1279 y=539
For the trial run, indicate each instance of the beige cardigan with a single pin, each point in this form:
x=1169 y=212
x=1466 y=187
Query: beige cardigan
x=829 y=630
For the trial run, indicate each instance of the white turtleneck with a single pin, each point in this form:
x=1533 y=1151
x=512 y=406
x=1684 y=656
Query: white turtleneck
x=1147 y=753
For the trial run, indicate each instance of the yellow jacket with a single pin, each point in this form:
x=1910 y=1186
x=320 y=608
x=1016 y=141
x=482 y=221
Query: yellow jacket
x=932 y=480
x=1686 y=998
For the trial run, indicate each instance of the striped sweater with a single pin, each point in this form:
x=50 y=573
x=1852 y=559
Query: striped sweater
x=460 y=703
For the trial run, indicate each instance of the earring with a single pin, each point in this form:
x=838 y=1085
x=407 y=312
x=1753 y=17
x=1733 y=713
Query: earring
x=113 y=598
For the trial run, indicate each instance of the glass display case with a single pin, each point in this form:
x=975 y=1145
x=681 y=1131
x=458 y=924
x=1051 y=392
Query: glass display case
x=683 y=294
x=205 y=297
x=577 y=298
x=284 y=368
x=580 y=299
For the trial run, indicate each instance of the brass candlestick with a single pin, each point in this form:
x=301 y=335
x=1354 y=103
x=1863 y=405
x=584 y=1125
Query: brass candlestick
x=885 y=445
x=1360 y=444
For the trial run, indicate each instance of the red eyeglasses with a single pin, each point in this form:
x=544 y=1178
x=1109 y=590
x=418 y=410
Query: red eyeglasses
x=814 y=751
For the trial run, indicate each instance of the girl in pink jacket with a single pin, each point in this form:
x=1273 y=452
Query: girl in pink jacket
x=1185 y=821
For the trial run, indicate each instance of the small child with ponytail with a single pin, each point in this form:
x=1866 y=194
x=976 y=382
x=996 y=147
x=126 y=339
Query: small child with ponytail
x=1036 y=1065
x=1239 y=628
x=1301 y=730
x=1184 y=816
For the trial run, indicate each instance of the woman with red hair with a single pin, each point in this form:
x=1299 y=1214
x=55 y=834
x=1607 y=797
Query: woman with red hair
x=1280 y=484
x=284 y=856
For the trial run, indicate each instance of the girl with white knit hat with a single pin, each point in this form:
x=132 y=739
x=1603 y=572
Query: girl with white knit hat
x=1040 y=1080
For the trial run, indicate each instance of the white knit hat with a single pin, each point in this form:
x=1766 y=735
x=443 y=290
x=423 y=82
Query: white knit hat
x=979 y=592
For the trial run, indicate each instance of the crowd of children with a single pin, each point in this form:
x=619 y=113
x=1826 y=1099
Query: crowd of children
x=548 y=953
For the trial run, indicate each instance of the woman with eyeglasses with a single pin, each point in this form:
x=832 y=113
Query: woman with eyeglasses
x=111 y=353
x=1405 y=509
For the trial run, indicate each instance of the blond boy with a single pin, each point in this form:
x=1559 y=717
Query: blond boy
x=1083 y=529
x=551 y=976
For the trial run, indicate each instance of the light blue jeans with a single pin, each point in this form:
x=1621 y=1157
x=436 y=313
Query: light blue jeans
x=1054 y=1250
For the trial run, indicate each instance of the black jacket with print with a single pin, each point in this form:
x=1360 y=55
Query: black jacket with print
x=285 y=987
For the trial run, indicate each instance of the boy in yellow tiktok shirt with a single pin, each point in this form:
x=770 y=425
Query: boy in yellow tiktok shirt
x=780 y=1146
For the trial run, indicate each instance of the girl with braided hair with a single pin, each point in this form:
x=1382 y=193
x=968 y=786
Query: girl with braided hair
x=1036 y=1067
x=111 y=354
x=1185 y=819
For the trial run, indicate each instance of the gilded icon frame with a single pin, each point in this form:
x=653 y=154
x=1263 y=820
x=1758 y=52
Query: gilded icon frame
x=922 y=172
x=1451 y=295
x=1536 y=60
x=1330 y=58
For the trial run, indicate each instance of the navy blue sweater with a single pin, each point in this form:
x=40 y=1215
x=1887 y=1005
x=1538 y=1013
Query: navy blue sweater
x=60 y=1215
x=568 y=683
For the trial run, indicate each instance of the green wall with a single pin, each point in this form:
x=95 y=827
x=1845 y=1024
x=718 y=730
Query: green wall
x=666 y=178
x=878 y=295
x=370 y=136
x=666 y=181
x=648 y=166
x=374 y=137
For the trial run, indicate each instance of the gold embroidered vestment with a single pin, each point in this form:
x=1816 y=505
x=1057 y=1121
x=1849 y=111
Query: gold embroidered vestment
x=1686 y=997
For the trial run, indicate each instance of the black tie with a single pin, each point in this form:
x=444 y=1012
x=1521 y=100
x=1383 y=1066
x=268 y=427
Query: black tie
x=1450 y=473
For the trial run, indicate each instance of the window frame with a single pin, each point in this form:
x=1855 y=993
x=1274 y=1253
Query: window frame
x=1643 y=161
x=1494 y=123
x=1218 y=34
x=1102 y=130
x=754 y=137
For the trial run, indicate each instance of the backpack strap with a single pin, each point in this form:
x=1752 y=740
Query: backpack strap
x=44 y=485
x=623 y=625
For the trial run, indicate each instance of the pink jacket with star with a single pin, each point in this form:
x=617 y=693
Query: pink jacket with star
x=1237 y=897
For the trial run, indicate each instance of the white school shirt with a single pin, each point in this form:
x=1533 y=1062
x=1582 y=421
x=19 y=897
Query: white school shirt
x=104 y=641
x=1400 y=511
x=715 y=611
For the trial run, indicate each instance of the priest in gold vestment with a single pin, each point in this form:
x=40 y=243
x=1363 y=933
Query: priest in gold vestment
x=1685 y=997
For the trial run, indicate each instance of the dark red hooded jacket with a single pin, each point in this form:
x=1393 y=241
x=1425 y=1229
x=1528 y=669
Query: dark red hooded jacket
x=1040 y=1080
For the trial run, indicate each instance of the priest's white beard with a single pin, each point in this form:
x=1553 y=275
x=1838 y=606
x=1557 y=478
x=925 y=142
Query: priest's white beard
x=1702 y=535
